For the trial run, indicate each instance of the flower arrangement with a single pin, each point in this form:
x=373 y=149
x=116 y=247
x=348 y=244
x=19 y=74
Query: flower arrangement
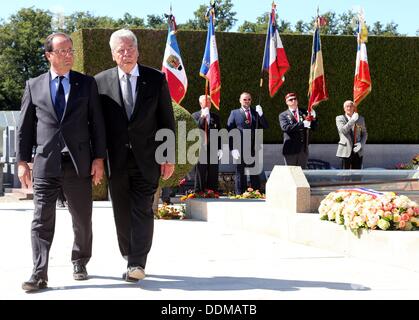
x=207 y=194
x=168 y=212
x=412 y=165
x=249 y=194
x=367 y=209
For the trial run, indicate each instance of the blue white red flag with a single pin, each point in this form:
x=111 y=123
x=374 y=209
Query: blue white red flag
x=370 y=192
x=275 y=60
x=173 y=66
x=210 y=68
x=362 y=81
x=317 y=91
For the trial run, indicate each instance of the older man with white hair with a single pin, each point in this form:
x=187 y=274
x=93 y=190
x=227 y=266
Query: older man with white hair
x=352 y=137
x=136 y=104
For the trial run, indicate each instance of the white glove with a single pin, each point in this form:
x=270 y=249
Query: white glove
x=357 y=147
x=313 y=113
x=355 y=117
x=204 y=112
x=307 y=123
x=235 y=153
x=259 y=110
x=220 y=154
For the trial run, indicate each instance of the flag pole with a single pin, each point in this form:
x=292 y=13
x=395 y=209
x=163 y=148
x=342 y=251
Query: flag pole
x=309 y=108
x=263 y=63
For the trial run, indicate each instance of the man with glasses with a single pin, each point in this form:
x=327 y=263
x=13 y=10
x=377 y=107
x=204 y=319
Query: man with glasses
x=246 y=120
x=136 y=104
x=295 y=124
x=61 y=117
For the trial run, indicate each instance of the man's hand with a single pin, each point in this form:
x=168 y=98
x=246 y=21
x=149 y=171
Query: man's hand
x=235 y=153
x=204 y=112
x=357 y=147
x=98 y=170
x=259 y=110
x=166 y=170
x=24 y=174
x=355 y=117
x=307 y=123
x=219 y=154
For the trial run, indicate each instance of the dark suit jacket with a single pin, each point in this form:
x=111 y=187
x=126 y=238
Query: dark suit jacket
x=295 y=135
x=237 y=119
x=152 y=111
x=81 y=128
x=214 y=124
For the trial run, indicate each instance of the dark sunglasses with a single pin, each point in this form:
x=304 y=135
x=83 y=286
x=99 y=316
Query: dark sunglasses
x=292 y=99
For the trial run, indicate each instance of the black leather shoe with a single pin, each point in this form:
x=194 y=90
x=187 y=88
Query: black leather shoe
x=134 y=274
x=80 y=272
x=35 y=283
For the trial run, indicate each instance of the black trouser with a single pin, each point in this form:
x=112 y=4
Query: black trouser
x=132 y=202
x=206 y=177
x=241 y=179
x=353 y=162
x=78 y=192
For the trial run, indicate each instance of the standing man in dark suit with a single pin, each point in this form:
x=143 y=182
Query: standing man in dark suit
x=295 y=124
x=61 y=117
x=206 y=173
x=246 y=119
x=136 y=104
x=350 y=151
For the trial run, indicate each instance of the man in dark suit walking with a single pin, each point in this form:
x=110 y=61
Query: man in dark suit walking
x=206 y=173
x=60 y=116
x=295 y=124
x=246 y=119
x=136 y=104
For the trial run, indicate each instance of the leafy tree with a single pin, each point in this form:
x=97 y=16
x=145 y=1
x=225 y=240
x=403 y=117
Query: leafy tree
x=21 y=53
x=302 y=27
x=129 y=21
x=377 y=29
x=259 y=27
x=284 y=26
x=391 y=29
x=156 y=22
x=224 y=17
x=332 y=24
x=346 y=23
x=81 y=19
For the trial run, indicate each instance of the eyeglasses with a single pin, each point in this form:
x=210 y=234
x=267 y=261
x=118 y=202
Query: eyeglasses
x=64 y=52
x=292 y=99
x=247 y=99
x=127 y=50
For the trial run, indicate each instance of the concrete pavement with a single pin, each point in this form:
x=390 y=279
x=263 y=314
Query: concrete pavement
x=192 y=260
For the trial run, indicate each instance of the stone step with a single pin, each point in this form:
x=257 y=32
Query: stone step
x=19 y=193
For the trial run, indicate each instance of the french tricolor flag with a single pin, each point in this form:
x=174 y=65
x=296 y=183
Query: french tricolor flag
x=275 y=60
x=317 y=85
x=210 y=68
x=362 y=81
x=173 y=66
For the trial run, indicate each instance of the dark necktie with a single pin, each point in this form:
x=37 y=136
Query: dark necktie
x=60 y=99
x=295 y=114
x=128 y=100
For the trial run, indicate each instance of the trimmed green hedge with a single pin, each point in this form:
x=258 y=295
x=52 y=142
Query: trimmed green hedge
x=391 y=110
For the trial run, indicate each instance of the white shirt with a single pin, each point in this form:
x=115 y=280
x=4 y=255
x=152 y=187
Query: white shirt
x=297 y=114
x=134 y=76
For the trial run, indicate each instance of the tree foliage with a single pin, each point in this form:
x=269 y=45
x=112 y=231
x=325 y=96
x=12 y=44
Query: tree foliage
x=21 y=53
x=224 y=17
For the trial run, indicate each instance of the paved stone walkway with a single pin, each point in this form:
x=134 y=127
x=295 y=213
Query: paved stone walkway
x=193 y=260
